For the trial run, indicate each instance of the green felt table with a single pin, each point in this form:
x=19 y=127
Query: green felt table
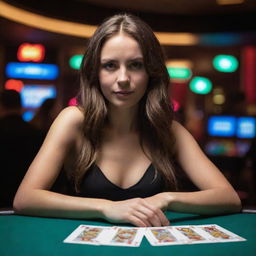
x=34 y=236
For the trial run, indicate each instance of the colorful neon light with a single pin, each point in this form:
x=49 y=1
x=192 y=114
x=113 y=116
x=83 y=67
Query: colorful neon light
x=75 y=61
x=32 y=96
x=223 y=126
x=225 y=63
x=179 y=72
x=31 y=52
x=72 y=102
x=246 y=127
x=32 y=70
x=200 y=85
x=28 y=115
x=13 y=84
x=176 y=105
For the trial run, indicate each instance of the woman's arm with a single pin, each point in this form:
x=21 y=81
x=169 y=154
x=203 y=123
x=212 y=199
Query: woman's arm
x=216 y=195
x=34 y=198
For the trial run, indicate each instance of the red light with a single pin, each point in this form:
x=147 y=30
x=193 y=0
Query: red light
x=72 y=102
x=13 y=84
x=176 y=105
x=31 y=52
x=248 y=73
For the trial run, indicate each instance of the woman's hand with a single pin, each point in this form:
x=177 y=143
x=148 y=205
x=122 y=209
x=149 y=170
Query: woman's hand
x=160 y=201
x=137 y=211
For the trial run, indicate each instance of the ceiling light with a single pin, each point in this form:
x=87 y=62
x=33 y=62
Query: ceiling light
x=78 y=29
x=227 y=2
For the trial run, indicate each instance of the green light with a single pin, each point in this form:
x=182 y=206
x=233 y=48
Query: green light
x=200 y=85
x=225 y=63
x=179 y=73
x=75 y=61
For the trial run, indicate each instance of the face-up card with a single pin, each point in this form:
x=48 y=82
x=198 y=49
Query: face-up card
x=161 y=236
x=220 y=234
x=124 y=236
x=191 y=235
x=86 y=234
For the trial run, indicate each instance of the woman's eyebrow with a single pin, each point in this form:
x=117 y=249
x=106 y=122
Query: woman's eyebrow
x=107 y=59
x=131 y=59
x=136 y=59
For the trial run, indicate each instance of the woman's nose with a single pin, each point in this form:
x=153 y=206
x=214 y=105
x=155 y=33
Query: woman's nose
x=123 y=77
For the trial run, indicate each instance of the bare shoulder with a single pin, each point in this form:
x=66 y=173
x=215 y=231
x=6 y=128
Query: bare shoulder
x=72 y=115
x=175 y=125
x=178 y=129
x=68 y=124
x=69 y=117
x=183 y=137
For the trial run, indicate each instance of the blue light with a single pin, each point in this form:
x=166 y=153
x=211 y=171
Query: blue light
x=221 y=39
x=246 y=127
x=223 y=126
x=32 y=96
x=28 y=115
x=32 y=70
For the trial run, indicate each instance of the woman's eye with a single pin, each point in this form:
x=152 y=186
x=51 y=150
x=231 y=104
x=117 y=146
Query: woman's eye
x=109 y=66
x=136 y=65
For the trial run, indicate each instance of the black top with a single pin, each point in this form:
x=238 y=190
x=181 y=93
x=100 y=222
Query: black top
x=96 y=185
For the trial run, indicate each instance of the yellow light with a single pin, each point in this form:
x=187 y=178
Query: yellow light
x=42 y=22
x=219 y=99
x=80 y=30
x=177 y=38
x=31 y=52
x=179 y=63
x=227 y=2
x=251 y=109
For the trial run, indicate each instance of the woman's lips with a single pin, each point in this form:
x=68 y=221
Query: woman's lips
x=123 y=93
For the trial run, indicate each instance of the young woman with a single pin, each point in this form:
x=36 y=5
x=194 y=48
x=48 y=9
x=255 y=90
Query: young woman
x=120 y=144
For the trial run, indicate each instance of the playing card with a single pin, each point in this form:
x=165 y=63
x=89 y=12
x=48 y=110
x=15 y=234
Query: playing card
x=86 y=234
x=123 y=236
x=189 y=234
x=219 y=234
x=161 y=236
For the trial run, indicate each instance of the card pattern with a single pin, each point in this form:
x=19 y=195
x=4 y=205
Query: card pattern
x=156 y=236
x=191 y=234
x=97 y=235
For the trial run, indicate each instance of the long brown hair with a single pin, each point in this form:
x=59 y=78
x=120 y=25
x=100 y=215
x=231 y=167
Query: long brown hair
x=155 y=109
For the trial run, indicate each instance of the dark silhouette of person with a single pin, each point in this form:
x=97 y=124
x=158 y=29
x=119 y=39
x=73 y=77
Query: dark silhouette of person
x=250 y=173
x=19 y=143
x=44 y=116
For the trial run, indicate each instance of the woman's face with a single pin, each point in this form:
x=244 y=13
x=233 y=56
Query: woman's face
x=122 y=75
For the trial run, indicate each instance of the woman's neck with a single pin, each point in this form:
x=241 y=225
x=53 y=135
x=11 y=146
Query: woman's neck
x=122 y=120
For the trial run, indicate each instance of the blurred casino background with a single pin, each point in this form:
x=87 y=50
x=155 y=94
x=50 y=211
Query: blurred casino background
x=210 y=48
